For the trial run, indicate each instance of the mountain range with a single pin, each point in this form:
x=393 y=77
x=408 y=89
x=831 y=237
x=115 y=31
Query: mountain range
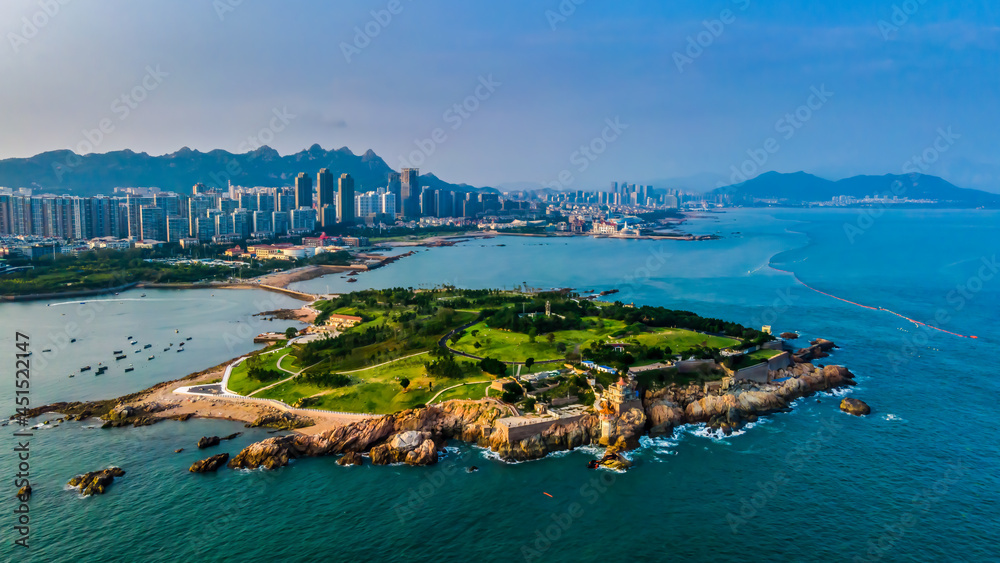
x=800 y=187
x=65 y=172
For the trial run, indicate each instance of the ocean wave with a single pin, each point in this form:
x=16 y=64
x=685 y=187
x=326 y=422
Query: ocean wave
x=893 y=418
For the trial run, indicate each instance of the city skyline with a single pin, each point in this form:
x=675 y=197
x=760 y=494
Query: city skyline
x=699 y=92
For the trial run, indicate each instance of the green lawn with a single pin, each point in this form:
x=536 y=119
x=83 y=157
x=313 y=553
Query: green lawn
x=679 y=339
x=515 y=347
x=477 y=391
x=376 y=390
x=243 y=385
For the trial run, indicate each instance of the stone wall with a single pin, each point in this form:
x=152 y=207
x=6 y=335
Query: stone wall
x=781 y=361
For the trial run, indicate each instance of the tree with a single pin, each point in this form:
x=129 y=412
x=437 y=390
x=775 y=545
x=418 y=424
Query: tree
x=291 y=332
x=550 y=337
x=493 y=366
x=528 y=363
x=532 y=334
x=404 y=383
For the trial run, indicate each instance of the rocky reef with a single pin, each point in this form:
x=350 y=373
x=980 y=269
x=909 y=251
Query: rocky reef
x=96 y=482
x=857 y=407
x=209 y=464
x=281 y=420
x=209 y=441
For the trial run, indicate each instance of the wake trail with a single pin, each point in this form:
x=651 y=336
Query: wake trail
x=914 y=321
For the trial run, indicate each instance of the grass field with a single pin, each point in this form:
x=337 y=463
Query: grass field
x=376 y=390
x=515 y=347
x=241 y=384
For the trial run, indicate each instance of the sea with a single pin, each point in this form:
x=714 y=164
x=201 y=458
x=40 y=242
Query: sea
x=901 y=292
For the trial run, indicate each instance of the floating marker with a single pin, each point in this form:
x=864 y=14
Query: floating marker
x=547 y=494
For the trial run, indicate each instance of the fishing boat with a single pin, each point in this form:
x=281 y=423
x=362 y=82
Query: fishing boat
x=137 y=351
x=130 y=368
x=147 y=346
x=176 y=331
x=133 y=342
x=116 y=352
x=165 y=349
x=85 y=368
x=72 y=340
x=180 y=349
x=121 y=357
x=46 y=350
x=143 y=295
x=128 y=337
x=151 y=357
x=188 y=338
x=72 y=375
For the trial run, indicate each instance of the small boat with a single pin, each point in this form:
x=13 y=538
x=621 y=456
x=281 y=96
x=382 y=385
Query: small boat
x=121 y=357
x=188 y=338
x=180 y=349
x=116 y=293
x=46 y=350
x=176 y=331
x=117 y=352
x=143 y=295
x=72 y=375
x=147 y=346
x=134 y=342
x=83 y=303
x=592 y=464
x=128 y=369
x=165 y=349
x=72 y=340
x=137 y=351
x=85 y=368
x=128 y=338
x=181 y=344
x=151 y=357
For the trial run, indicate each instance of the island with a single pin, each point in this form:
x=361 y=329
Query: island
x=390 y=376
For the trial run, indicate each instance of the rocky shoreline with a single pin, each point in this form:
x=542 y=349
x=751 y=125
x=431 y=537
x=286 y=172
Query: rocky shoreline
x=417 y=436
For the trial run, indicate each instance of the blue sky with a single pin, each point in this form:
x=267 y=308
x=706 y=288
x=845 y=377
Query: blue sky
x=698 y=88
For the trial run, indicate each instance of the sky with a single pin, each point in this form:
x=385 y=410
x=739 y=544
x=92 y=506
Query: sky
x=572 y=94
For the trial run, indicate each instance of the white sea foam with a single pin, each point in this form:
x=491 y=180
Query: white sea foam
x=893 y=418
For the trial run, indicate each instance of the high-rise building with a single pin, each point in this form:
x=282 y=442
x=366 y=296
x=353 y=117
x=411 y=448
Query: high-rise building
x=247 y=201
x=198 y=207
x=409 y=199
x=262 y=222
x=280 y=222
x=345 y=199
x=177 y=228
x=326 y=198
x=153 y=223
x=444 y=204
x=394 y=186
x=265 y=201
x=303 y=191
x=428 y=202
x=285 y=199
x=387 y=205
x=303 y=219
x=243 y=222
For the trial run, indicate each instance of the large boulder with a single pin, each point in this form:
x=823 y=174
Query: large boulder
x=208 y=442
x=856 y=407
x=209 y=464
x=96 y=482
x=411 y=447
x=351 y=458
x=789 y=335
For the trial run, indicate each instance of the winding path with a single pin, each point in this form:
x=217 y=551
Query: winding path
x=432 y=399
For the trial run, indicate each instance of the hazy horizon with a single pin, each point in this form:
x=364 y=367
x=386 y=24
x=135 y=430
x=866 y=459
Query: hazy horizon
x=678 y=93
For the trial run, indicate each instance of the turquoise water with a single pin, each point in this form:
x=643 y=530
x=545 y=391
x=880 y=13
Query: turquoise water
x=915 y=481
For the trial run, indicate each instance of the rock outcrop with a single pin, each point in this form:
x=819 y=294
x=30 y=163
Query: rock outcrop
x=351 y=458
x=208 y=442
x=789 y=335
x=281 y=420
x=209 y=464
x=411 y=447
x=96 y=482
x=463 y=420
x=857 y=407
